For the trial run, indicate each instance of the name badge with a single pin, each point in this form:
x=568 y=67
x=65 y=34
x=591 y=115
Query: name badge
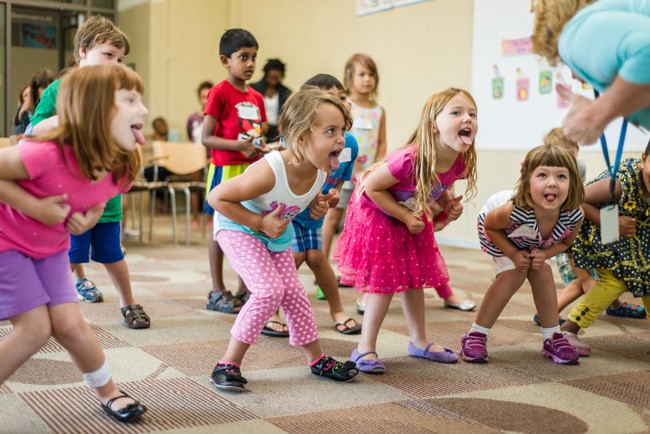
x=250 y=112
x=345 y=155
x=609 y=224
x=523 y=232
x=362 y=124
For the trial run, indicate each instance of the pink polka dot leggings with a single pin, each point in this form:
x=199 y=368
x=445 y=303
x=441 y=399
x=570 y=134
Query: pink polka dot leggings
x=272 y=279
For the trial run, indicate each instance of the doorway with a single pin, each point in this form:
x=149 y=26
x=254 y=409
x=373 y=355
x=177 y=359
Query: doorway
x=40 y=38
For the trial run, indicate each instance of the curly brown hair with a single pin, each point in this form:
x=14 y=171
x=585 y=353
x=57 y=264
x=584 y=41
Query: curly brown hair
x=550 y=18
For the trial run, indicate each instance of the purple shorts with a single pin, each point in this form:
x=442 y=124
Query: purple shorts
x=26 y=283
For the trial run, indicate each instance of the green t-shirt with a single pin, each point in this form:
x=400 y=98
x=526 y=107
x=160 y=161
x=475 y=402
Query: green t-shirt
x=45 y=109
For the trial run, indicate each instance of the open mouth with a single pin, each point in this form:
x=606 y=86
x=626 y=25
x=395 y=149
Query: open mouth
x=136 y=130
x=550 y=197
x=334 y=159
x=465 y=136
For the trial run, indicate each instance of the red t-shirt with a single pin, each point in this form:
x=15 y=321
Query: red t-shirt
x=238 y=114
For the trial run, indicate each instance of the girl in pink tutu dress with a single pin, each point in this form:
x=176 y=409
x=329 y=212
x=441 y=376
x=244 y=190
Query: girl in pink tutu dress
x=387 y=245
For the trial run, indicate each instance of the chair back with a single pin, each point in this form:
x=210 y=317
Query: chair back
x=179 y=158
x=4 y=142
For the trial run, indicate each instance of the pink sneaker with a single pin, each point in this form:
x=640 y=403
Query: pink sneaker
x=582 y=348
x=474 y=347
x=558 y=348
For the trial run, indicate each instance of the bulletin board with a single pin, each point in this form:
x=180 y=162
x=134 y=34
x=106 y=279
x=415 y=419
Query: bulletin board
x=515 y=89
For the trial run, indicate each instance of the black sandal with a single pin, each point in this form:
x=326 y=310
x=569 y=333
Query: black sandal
x=228 y=377
x=135 y=317
x=337 y=371
x=243 y=296
x=223 y=302
x=126 y=414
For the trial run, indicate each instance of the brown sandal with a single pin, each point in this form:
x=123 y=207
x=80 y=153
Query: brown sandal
x=135 y=317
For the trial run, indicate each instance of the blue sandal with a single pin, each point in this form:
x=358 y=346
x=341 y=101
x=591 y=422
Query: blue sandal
x=628 y=310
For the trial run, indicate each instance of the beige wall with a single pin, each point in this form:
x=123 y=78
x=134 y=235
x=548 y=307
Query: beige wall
x=418 y=49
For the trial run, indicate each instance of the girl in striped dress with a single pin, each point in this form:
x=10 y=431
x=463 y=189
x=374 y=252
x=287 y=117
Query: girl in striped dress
x=522 y=230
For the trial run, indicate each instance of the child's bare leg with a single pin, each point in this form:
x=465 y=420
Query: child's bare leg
x=118 y=272
x=376 y=310
x=312 y=351
x=215 y=256
x=326 y=279
x=544 y=296
x=332 y=219
x=569 y=294
x=31 y=331
x=235 y=352
x=74 y=334
x=78 y=270
x=499 y=294
x=413 y=307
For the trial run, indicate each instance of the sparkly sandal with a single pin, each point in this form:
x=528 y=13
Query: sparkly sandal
x=227 y=376
x=337 y=371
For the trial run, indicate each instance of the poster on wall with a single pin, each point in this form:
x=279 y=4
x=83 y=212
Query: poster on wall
x=35 y=30
x=515 y=89
x=367 y=7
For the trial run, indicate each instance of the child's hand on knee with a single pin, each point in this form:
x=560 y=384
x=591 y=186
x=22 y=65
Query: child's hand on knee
x=537 y=259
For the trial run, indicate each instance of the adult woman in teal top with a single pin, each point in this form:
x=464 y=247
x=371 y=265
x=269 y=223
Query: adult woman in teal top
x=606 y=44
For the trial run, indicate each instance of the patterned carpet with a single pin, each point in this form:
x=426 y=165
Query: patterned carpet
x=168 y=367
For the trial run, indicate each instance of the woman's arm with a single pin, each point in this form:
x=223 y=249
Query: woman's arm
x=587 y=119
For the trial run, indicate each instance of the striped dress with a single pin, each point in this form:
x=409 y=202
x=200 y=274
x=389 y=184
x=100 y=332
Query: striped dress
x=523 y=231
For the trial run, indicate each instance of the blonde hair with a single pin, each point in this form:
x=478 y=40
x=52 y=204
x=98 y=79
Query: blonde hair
x=365 y=60
x=550 y=18
x=428 y=141
x=86 y=108
x=554 y=156
x=300 y=113
x=96 y=31
x=556 y=137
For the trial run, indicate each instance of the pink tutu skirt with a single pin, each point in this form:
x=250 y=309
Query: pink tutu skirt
x=376 y=253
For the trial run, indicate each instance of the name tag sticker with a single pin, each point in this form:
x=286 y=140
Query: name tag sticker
x=249 y=112
x=609 y=224
x=362 y=124
x=345 y=155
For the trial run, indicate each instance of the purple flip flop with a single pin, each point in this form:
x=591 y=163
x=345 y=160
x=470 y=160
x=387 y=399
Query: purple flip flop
x=444 y=356
x=368 y=366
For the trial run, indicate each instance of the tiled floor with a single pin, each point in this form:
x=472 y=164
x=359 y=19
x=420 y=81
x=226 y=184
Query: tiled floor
x=168 y=366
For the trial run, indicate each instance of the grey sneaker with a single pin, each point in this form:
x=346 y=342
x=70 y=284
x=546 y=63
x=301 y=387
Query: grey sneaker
x=87 y=291
x=582 y=348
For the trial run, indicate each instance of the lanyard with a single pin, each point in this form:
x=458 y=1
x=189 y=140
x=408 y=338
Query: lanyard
x=619 y=152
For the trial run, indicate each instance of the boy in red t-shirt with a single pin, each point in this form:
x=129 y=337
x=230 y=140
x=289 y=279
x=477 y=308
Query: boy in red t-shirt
x=233 y=129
